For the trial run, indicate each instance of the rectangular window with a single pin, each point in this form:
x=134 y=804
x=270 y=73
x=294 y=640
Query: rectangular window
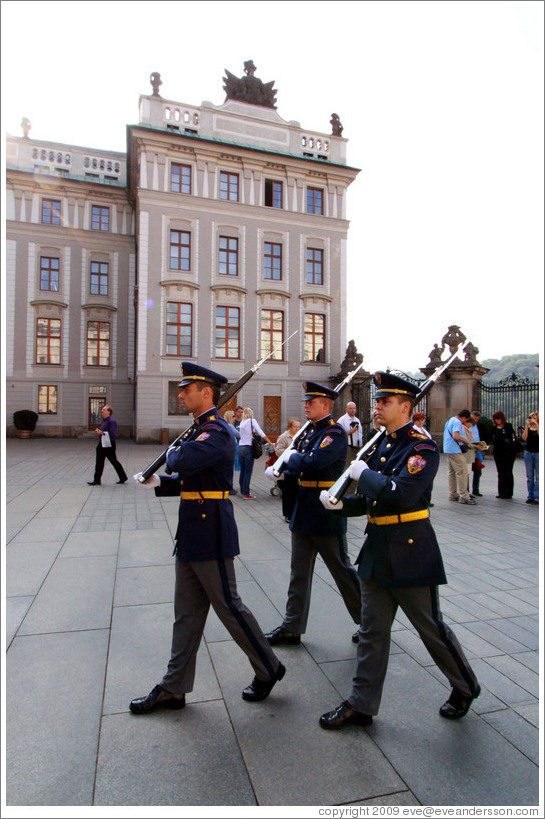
x=180 y=178
x=227 y=330
x=273 y=194
x=98 y=343
x=314 y=340
x=179 y=328
x=272 y=333
x=99 y=278
x=229 y=186
x=175 y=406
x=49 y=273
x=180 y=250
x=228 y=259
x=315 y=200
x=51 y=212
x=100 y=218
x=47 y=400
x=272 y=261
x=48 y=341
x=315 y=265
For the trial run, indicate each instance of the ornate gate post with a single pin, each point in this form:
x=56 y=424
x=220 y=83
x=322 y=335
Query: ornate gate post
x=458 y=388
x=357 y=391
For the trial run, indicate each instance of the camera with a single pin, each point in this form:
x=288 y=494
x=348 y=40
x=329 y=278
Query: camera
x=353 y=423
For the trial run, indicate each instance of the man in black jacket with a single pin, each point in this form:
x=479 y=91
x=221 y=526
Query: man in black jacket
x=400 y=562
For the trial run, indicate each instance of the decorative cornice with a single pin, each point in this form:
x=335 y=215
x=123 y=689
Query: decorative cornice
x=270 y=291
x=226 y=286
x=322 y=296
x=179 y=283
x=49 y=302
x=98 y=306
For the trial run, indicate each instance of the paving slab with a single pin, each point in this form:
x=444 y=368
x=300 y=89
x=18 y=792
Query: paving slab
x=186 y=757
x=90 y=544
x=425 y=749
x=16 y=609
x=139 y=548
x=28 y=564
x=36 y=530
x=145 y=585
x=500 y=685
x=274 y=734
x=76 y=595
x=516 y=730
x=53 y=719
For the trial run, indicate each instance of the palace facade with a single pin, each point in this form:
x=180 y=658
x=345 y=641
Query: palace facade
x=221 y=232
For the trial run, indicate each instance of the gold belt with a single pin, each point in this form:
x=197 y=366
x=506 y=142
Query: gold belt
x=213 y=495
x=317 y=484
x=407 y=517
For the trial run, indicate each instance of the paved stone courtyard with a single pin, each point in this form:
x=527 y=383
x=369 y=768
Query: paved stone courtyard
x=89 y=586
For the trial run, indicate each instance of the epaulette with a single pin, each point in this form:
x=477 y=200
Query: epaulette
x=209 y=425
x=412 y=433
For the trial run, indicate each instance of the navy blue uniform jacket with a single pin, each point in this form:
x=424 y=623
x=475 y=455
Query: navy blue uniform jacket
x=399 y=480
x=206 y=528
x=321 y=457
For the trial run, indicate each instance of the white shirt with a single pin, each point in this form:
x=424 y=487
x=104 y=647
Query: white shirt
x=245 y=430
x=422 y=430
x=354 y=438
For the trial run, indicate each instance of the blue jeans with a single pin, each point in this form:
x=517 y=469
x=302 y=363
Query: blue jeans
x=531 y=462
x=246 y=459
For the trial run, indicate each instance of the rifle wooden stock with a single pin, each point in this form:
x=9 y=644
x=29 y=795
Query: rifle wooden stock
x=343 y=482
x=280 y=463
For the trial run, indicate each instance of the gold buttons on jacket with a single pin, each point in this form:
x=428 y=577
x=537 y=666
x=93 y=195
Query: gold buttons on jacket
x=410 y=540
x=374 y=503
x=382 y=459
x=203 y=516
x=388 y=446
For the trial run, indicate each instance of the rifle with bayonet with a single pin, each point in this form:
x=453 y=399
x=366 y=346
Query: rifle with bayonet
x=343 y=482
x=280 y=463
x=224 y=398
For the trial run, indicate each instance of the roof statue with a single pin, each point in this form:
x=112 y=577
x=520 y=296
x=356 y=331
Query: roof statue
x=156 y=81
x=26 y=126
x=336 y=125
x=249 y=88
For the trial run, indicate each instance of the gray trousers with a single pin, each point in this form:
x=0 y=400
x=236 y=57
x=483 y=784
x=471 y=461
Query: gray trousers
x=198 y=586
x=304 y=549
x=421 y=605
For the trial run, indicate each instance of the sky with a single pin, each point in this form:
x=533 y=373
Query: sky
x=442 y=104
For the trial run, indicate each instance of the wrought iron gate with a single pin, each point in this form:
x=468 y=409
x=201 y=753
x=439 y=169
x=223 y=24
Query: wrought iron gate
x=515 y=396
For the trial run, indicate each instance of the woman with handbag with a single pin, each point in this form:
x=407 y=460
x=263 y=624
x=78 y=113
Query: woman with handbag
x=250 y=447
x=506 y=447
x=106 y=447
x=530 y=436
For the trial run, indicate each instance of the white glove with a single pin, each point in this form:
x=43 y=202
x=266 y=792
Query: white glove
x=151 y=483
x=269 y=473
x=326 y=503
x=172 y=448
x=356 y=468
x=290 y=456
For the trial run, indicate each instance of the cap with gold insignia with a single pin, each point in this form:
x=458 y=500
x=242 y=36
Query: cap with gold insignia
x=194 y=373
x=313 y=390
x=390 y=384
